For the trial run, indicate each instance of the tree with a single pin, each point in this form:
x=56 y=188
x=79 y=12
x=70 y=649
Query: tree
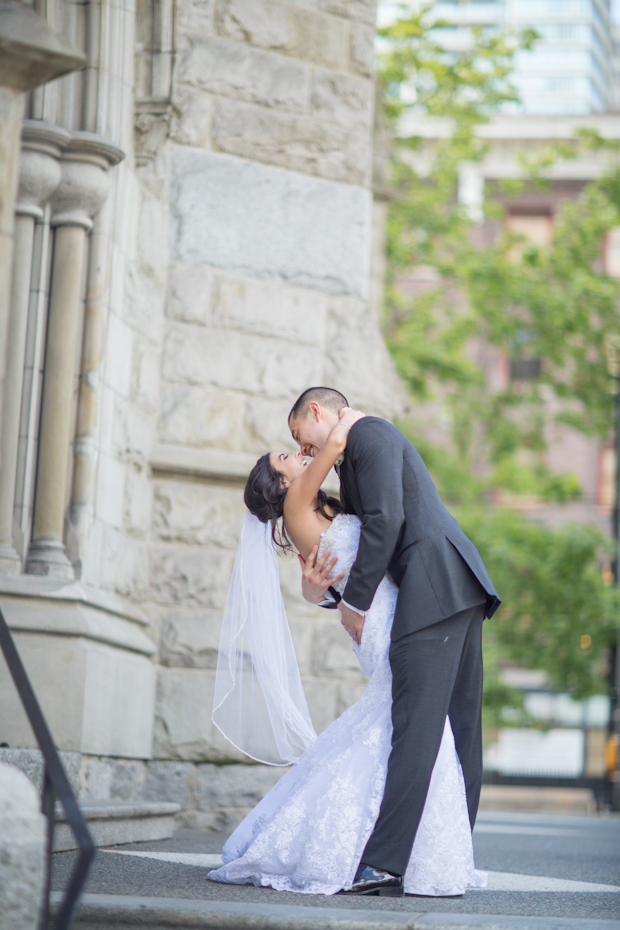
x=554 y=304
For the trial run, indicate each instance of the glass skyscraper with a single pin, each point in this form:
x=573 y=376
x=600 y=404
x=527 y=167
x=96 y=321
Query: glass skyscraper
x=569 y=71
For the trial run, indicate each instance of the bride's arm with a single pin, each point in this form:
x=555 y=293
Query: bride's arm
x=304 y=489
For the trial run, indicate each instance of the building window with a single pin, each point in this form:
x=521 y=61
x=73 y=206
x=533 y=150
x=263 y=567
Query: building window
x=536 y=227
x=525 y=369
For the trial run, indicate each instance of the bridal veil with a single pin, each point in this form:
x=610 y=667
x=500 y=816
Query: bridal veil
x=259 y=703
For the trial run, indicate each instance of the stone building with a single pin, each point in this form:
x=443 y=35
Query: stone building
x=194 y=242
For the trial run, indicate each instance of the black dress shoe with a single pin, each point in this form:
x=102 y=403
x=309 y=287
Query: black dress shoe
x=377 y=882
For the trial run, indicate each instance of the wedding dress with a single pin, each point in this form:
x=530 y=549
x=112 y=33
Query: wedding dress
x=308 y=833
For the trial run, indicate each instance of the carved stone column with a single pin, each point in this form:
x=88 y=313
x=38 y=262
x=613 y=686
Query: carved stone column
x=81 y=194
x=30 y=55
x=93 y=348
x=39 y=176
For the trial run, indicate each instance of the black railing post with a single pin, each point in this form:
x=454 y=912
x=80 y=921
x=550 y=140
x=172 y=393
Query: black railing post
x=614 y=674
x=48 y=808
x=55 y=785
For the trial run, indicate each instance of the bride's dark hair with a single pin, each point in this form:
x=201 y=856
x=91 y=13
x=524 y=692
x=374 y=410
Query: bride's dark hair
x=264 y=497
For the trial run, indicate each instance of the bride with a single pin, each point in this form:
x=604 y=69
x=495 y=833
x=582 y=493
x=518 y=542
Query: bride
x=308 y=833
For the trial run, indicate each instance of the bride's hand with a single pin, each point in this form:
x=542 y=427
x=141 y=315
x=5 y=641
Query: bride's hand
x=348 y=417
x=339 y=434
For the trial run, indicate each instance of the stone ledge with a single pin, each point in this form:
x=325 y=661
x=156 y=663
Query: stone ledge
x=62 y=618
x=39 y=586
x=123 y=911
x=30 y=52
x=174 y=459
x=115 y=822
x=203 y=463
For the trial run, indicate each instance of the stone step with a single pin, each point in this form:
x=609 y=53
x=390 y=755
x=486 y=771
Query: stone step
x=114 y=822
x=124 y=912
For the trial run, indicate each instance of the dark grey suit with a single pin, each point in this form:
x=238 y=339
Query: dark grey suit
x=435 y=656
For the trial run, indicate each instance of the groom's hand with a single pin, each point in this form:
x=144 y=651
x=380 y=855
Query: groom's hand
x=315 y=578
x=352 y=622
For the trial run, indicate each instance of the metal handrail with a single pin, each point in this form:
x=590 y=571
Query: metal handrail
x=55 y=786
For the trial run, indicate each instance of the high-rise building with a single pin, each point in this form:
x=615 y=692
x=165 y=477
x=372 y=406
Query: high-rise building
x=615 y=49
x=570 y=69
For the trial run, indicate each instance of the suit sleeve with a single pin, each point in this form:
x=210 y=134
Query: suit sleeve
x=335 y=600
x=377 y=460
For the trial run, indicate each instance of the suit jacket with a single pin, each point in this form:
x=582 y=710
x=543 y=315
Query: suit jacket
x=408 y=532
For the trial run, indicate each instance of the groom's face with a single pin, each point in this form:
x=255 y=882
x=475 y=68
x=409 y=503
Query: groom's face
x=311 y=432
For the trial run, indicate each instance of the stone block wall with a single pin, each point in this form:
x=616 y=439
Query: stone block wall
x=236 y=260
x=212 y=797
x=271 y=243
x=240 y=263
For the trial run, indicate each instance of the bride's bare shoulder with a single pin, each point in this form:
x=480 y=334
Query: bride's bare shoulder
x=304 y=525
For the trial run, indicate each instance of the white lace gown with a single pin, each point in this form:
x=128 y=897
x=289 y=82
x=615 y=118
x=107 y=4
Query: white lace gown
x=308 y=833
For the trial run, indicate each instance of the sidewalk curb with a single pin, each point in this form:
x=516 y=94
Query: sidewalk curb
x=122 y=912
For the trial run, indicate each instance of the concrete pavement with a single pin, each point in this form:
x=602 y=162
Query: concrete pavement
x=544 y=868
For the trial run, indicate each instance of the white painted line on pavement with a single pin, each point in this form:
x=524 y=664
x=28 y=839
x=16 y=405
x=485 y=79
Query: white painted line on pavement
x=529 y=831
x=509 y=881
x=203 y=860
x=498 y=881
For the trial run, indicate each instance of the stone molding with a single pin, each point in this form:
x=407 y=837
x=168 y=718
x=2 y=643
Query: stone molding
x=74 y=620
x=30 y=52
x=154 y=63
x=151 y=128
x=84 y=182
x=90 y=146
x=216 y=464
x=23 y=208
x=39 y=168
x=38 y=135
x=46 y=588
x=204 y=463
x=73 y=610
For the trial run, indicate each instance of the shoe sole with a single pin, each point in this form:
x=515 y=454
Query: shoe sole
x=381 y=892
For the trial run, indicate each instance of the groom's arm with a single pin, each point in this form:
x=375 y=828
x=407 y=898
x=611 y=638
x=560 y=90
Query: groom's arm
x=377 y=460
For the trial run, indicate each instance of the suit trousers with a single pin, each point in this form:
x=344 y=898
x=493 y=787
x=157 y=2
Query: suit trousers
x=436 y=672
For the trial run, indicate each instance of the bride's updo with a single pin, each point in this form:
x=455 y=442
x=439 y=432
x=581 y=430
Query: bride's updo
x=264 y=497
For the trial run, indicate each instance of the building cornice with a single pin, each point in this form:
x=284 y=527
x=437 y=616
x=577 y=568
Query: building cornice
x=213 y=464
x=514 y=127
x=30 y=52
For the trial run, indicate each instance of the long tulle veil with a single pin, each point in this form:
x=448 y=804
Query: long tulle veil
x=259 y=703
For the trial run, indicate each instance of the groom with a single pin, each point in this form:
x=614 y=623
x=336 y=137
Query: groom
x=444 y=595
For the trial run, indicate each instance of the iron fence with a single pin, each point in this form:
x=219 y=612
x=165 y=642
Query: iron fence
x=56 y=786
x=598 y=785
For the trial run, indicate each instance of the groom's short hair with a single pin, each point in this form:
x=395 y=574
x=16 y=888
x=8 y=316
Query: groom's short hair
x=326 y=397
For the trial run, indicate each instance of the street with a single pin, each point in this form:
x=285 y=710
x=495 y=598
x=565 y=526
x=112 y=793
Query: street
x=541 y=865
